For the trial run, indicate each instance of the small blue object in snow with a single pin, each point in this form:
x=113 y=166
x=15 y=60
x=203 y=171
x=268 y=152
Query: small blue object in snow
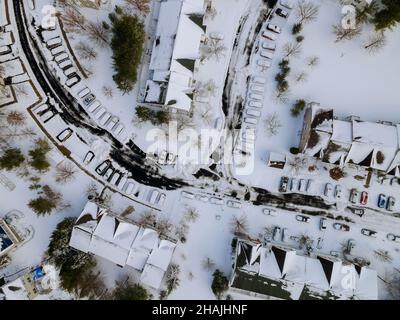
x=38 y=273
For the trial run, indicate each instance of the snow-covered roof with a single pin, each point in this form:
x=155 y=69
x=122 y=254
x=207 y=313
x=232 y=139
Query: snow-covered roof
x=161 y=256
x=287 y=268
x=342 y=132
x=321 y=118
x=152 y=276
x=376 y=134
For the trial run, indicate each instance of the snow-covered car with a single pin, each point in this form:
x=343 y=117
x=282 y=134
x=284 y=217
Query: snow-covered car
x=57 y=50
x=153 y=196
x=122 y=182
x=88 y=99
x=351 y=243
x=254 y=104
x=202 y=198
x=323 y=224
x=341 y=226
x=46 y=116
x=382 y=201
x=276 y=234
x=253 y=112
x=69 y=72
x=357 y=211
x=88 y=157
x=218 y=124
x=354 y=196
x=391 y=203
x=64 y=135
x=268 y=45
x=215 y=200
x=102 y=167
x=263 y=63
x=273 y=28
x=65 y=64
x=285 y=235
x=255 y=96
x=61 y=57
x=266 y=54
x=129 y=187
x=83 y=92
x=364 y=197
x=368 y=232
x=109 y=173
x=115 y=178
x=257 y=88
x=54 y=42
x=71 y=82
x=328 y=190
x=112 y=122
x=40 y=109
x=282 y=13
x=294 y=184
x=302 y=185
x=310 y=186
x=94 y=106
x=161 y=199
x=250 y=120
x=187 y=195
x=334 y=253
x=118 y=129
x=302 y=218
x=216 y=36
x=269 y=35
x=287 y=3
x=270 y=212
x=259 y=80
x=320 y=243
x=392 y=237
x=201 y=99
x=233 y=204
x=283 y=184
x=99 y=112
x=338 y=191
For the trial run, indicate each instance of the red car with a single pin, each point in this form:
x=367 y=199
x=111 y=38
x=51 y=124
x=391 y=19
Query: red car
x=364 y=197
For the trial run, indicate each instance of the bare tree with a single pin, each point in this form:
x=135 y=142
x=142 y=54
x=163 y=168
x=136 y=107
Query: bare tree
x=345 y=34
x=292 y=49
x=239 y=225
x=375 y=43
x=74 y=20
x=300 y=77
x=108 y=91
x=191 y=214
x=181 y=231
x=208 y=264
x=282 y=97
x=211 y=12
x=313 y=61
x=383 y=255
x=148 y=218
x=392 y=284
x=16 y=118
x=206 y=114
x=164 y=226
x=207 y=88
x=92 y=190
x=297 y=164
x=98 y=34
x=306 y=11
x=215 y=48
x=65 y=172
x=140 y=5
x=272 y=124
x=85 y=51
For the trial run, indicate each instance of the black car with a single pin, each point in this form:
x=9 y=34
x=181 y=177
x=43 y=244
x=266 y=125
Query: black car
x=284 y=184
x=357 y=211
x=282 y=13
x=102 y=167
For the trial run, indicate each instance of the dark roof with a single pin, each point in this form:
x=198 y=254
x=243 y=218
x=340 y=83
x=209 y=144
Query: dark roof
x=280 y=256
x=327 y=265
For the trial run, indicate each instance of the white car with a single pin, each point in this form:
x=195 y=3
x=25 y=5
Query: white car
x=270 y=212
x=392 y=237
x=112 y=122
x=269 y=35
x=99 y=112
x=310 y=186
x=263 y=63
x=116 y=176
x=153 y=196
x=233 y=204
x=277 y=234
x=104 y=118
x=85 y=91
x=257 y=89
x=61 y=57
x=216 y=36
x=294 y=184
x=41 y=108
x=253 y=112
x=249 y=135
x=118 y=129
x=161 y=199
x=285 y=235
x=256 y=96
x=268 y=46
x=328 y=190
x=255 y=104
x=250 y=120
x=129 y=187
x=202 y=198
x=302 y=185
x=88 y=157
x=187 y=195
x=323 y=224
x=219 y=124
x=122 y=182
x=47 y=115
x=215 y=200
x=259 y=80
x=266 y=54
x=93 y=107
x=287 y=4
x=273 y=28
x=71 y=82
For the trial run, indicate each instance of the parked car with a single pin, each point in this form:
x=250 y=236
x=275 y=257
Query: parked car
x=282 y=13
x=71 y=82
x=215 y=200
x=341 y=226
x=302 y=218
x=202 y=198
x=46 y=116
x=218 y=124
x=250 y=120
x=257 y=88
x=335 y=254
x=268 y=45
x=338 y=191
x=320 y=243
x=368 y=232
x=129 y=187
x=382 y=200
x=253 y=112
x=88 y=157
x=364 y=198
x=302 y=185
x=112 y=122
x=283 y=184
x=255 y=96
x=269 y=35
x=153 y=196
x=392 y=237
x=115 y=178
x=93 y=107
x=108 y=174
x=323 y=224
x=118 y=129
x=354 y=196
x=233 y=204
x=83 y=92
x=255 y=104
x=88 y=99
x=269 y=212
x=287 y=3
x=102 y=167
x=273 y=28
x=122 y=182
x=263 y=63
x=266 y=54
x=276 y=234
x=64 y=135
x=187 y=195
x=391 y=203
x=328 y=190
x=161 y=199
x=357 y=211
x=294 y=184
x=351 y=243
x=285 y=235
